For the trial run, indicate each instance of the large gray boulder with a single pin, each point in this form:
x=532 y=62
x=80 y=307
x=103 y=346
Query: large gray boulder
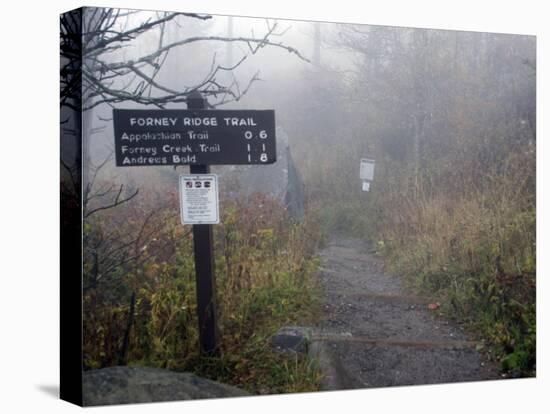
x=129 y=385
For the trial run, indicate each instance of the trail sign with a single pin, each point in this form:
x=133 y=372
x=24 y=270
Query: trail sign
x=196 y=137
x=199 y=199
x=145 y=137
x=366 y=171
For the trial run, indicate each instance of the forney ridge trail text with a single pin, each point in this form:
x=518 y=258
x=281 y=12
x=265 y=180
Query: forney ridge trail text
x=173 y=140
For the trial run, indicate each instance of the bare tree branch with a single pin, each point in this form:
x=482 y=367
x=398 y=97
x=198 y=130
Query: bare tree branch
x=102 y=80
x=116 y=202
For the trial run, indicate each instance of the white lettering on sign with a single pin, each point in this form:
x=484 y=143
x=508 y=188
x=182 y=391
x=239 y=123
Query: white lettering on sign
x=197 y=135
x=172 y=148
x=199 y=202
x=151 y=136
x=212 y=121
x=204 y=137
x=150 y=121
x=239 y=121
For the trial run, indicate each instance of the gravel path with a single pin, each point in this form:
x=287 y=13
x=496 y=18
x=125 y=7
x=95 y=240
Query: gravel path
x=380 y=334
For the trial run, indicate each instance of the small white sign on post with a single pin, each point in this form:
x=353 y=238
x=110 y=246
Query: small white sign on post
x=199 y=202
x=366 y=171
x=366 y=186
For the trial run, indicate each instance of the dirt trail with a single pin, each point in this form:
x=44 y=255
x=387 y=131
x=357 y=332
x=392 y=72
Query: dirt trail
x=380 y=334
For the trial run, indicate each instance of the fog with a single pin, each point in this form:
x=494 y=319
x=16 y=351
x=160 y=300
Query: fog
x=409 y=98
x=446 y=119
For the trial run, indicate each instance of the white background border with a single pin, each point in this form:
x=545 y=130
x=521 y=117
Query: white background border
x=30 y=224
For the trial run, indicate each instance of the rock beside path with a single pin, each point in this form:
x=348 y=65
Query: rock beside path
x=293 y=339
x=130 y=385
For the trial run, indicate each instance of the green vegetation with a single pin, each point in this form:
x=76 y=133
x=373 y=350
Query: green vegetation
x=264 y=276
x=476 y=255
x=450 y=120
x=473 y=251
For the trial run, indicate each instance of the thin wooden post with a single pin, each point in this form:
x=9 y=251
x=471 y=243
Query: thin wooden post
x=204 y=263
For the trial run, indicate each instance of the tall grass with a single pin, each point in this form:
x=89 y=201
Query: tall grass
x=264 y=267
x=474 y=250
x=465 y=234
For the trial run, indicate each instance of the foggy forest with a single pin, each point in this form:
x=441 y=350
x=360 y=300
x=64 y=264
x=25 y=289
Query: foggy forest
x=448 y=218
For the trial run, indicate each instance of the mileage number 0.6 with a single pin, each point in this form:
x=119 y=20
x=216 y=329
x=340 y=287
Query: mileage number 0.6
x=261 y=135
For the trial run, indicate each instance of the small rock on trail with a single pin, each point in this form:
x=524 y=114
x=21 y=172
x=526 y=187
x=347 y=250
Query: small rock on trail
x=382 y=335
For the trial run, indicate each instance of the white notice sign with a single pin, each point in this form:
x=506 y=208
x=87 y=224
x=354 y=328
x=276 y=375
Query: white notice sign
x=199 y=199
x=366 y=172
x=366 y=186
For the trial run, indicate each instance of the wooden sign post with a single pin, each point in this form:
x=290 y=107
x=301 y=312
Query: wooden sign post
x=197 y=137
x=204 y=263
